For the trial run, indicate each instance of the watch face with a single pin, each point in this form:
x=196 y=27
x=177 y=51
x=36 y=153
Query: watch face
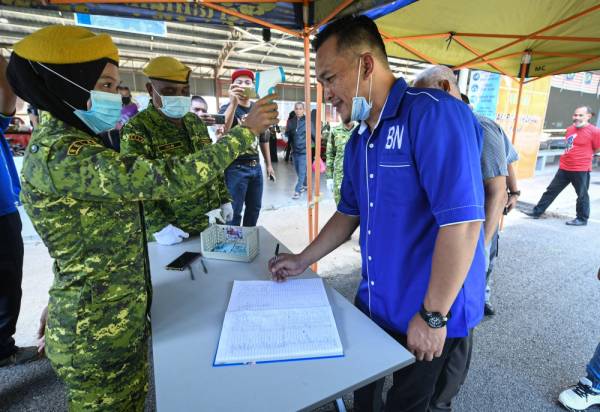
x=435 y=322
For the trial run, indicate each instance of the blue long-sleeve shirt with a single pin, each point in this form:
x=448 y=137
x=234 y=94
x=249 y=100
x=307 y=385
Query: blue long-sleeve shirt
x=9 y=179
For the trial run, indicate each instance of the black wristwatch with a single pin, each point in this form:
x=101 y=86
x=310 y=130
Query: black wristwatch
x=515 y=193
x=434 y=320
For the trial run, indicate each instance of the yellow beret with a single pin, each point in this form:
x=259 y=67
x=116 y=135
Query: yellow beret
x=168 y=69
x=66 y=45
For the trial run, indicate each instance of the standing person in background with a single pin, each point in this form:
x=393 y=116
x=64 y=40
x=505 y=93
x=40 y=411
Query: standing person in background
x=586 y=392
x=583 y=141
x=296 y=133
x=167 y=128
x=244 y=177
x=11 y=249
x=290 y=144
x=336 y=144
x=129 y=108
x=492 y=129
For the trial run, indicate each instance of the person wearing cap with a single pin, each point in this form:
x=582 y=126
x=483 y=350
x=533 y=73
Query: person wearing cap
x=244 y=177
x=167 y=128
x=82 y=198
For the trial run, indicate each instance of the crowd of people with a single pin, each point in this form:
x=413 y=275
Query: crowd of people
x=100 y=178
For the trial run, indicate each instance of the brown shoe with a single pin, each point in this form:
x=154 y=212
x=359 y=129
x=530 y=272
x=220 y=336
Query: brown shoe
x=21 y=356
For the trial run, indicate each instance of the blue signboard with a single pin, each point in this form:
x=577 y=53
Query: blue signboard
x=140 y=26
x=483 y=92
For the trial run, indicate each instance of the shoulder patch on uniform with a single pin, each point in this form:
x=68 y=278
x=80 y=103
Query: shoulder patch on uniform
x=136 y=138
x=169 y=146
x=76 y=146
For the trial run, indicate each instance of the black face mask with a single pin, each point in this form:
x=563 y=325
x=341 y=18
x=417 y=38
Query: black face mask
x=126 y=100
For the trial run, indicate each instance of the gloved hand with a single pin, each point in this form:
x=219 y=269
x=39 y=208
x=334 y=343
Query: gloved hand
x=330 y=185
x=227 y=212
x=213 y=216
x=170 y=235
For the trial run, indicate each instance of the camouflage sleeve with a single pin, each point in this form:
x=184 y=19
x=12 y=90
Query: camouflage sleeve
x=84 y=169
x=134 y=142
x=224 y=194
x=330 y=155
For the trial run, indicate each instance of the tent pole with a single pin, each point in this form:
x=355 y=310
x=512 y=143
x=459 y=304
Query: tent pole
x=309 y=190
x=318 y=161
x=525 y=60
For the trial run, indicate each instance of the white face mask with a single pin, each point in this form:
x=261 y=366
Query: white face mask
x=361 y=109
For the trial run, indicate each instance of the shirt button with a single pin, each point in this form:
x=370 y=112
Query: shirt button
x=368 y=232
x=371 y=175
x=371 y=204
x=370 y=258
x=371 y=146
x=372 y=283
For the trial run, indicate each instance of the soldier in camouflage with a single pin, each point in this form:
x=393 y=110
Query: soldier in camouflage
x=336 y=143
x=82 y=198
x=164 y=131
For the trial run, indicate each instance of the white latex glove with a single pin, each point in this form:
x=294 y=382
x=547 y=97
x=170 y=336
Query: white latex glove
x=213 y=216
x=330 y=185
x=227 y=212
x=170 y=235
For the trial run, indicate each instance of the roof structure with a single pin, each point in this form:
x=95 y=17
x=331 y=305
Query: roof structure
x=207 y=49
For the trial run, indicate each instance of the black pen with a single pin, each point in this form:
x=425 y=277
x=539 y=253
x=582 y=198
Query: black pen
x=277 y=249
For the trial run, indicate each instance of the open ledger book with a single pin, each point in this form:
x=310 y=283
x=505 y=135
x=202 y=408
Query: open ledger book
x=268 y=321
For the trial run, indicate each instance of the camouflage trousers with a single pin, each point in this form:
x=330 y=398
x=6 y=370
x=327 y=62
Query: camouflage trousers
x=98 y=346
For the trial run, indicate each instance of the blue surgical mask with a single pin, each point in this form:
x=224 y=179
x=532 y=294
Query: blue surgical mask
x=361 y=109
x=104 y=113
x=175 y=107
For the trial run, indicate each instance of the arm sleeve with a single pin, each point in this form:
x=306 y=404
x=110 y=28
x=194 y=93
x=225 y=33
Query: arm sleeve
x=511 y=153
x=84 y=169
x=330 y=155
x=348 y=203
x=493 y=153
x=596 y=140
x=135 y=142
x=449 y=170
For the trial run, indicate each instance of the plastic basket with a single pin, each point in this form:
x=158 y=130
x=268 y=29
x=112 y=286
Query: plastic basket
x=238 y=237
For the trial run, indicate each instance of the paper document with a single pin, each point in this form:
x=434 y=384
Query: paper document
x=269 y=321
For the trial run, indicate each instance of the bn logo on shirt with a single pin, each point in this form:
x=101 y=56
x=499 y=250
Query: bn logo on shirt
x=394 y=138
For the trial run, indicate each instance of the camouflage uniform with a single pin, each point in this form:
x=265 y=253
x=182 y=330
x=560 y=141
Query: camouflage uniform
x=336 y=143
x=151 y=135
x=81 y=197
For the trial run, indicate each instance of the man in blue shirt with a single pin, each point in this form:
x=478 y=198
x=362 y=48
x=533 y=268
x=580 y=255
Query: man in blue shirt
x=11 y=242
x=412 y=181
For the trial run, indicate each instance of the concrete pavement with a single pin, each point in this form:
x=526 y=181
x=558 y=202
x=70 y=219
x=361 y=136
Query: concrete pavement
x=545 y=292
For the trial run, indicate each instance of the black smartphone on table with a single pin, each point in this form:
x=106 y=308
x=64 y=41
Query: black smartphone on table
x=183 y=260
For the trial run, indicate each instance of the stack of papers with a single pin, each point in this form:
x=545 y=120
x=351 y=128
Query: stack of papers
x=268 y=321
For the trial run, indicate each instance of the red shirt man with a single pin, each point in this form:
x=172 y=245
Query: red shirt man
x=582 y=143
x=583 y=140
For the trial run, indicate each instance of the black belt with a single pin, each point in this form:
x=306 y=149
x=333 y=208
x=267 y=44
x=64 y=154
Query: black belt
x=246 y=162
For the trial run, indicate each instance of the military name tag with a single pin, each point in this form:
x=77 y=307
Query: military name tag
x=77 y=145
x=136 y=138
x=169 y=146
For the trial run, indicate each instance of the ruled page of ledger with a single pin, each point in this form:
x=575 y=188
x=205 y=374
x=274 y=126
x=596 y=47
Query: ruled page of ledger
x=268 y=321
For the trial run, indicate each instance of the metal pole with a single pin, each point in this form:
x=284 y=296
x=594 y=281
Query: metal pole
x=525 y=60
x=318 y=161
x=309 y=192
